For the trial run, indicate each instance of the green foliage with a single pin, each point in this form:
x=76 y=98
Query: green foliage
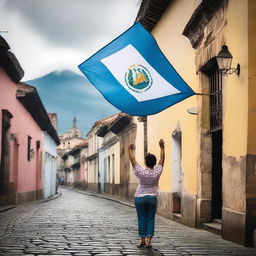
x=130 y=77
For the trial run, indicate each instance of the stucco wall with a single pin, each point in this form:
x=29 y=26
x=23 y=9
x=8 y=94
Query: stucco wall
x=49 y=166
x=235 y=89
x=239 y=122
x=28 y=175
x=251 y=147
x=177 y=48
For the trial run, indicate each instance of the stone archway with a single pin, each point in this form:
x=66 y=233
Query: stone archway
x=205 y=32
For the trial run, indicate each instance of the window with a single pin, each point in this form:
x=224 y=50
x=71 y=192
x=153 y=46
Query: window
x=108 y=169
x=216 y=101
x=29 y=148
x=113 y=168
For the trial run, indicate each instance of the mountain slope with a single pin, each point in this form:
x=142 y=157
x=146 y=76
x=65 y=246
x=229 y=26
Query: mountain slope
x=67 y=94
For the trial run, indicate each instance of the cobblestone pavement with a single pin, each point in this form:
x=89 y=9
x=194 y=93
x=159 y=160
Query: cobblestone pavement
x=79 y=225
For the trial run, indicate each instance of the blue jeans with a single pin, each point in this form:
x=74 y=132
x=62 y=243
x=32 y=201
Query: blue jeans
x=146 y=210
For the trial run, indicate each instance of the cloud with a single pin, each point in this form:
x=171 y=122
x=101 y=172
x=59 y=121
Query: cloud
x=69 y=22
x=46 y=35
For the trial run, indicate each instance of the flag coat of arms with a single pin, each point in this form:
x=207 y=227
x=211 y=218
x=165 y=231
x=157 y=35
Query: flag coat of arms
x=133 y=74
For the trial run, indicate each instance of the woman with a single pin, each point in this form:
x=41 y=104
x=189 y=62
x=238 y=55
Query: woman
x=146 y=193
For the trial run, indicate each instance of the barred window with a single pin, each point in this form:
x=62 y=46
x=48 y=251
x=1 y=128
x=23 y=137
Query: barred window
x=216 y=101
x=29 y=148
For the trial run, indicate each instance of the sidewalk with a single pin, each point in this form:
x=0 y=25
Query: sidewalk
x=104 y=196
x=4 y=208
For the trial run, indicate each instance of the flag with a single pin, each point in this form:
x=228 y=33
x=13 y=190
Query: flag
x=133 y=74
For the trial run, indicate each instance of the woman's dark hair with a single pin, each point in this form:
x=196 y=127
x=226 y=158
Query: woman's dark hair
x=150 y=160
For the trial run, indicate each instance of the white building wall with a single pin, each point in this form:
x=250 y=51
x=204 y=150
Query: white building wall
x=49 y=165
x=112 y=156
x=102 y=156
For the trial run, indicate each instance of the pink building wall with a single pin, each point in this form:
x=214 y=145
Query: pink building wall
x=25 y=175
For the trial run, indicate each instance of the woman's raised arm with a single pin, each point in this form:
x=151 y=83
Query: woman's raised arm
x=162 y=153
x=131 y=150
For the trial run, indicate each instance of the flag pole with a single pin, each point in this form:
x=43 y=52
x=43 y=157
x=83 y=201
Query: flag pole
x=203 y=94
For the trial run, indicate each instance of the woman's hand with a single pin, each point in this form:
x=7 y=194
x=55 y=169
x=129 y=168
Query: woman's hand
x=161 y=143
x=131 y=147
x=131 y=150
x=162 y=154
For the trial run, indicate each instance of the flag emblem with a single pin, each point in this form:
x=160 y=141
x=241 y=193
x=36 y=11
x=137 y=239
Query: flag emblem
x=133 y=74
x=138 y=78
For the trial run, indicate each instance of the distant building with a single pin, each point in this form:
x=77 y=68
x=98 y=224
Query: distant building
x=94 y=143
x=109 y=168
x=75 y=166
x=68 y=141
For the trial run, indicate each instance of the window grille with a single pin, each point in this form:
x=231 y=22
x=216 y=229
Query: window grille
x=29 y=148
x=216 y=101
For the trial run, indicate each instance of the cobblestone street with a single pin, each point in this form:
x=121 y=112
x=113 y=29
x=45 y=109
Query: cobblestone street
x=78 y=224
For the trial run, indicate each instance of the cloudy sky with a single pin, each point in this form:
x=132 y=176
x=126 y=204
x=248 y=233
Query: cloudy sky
x=47 y=35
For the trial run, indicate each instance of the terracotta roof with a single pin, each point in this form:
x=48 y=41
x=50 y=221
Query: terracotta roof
x=11 y=65
x=83 y=144
x=52 y=114
x=119 y=123
x=115 y=125
x=76 y=149
x=109 y=119
x=151 y=11
x=106 y=121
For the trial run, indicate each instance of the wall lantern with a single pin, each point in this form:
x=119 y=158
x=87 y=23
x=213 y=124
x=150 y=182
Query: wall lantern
x=224 y=60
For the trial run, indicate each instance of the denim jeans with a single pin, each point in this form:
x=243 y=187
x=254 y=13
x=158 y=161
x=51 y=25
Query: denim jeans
x=146 y=210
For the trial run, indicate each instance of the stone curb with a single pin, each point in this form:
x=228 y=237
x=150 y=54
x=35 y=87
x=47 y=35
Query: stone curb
x=7 y=208
x=102 y=196
x=51 y=198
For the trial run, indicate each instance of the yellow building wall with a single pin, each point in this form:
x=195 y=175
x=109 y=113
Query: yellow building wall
x=91 y=171
x=252 y=77
x=235 y=89
x=178 y=50
x=114 y=150
x=93 y=144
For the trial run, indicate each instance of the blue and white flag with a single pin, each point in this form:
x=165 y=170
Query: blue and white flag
x=133 y=74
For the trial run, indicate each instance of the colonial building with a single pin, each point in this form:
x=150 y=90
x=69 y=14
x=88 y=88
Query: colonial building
x=71 y=138
x=114 y=165
x=109 y=169
x=23 y=122
x=68 y=141
x=75 y=166
x=209 y=171
x=94 y=144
